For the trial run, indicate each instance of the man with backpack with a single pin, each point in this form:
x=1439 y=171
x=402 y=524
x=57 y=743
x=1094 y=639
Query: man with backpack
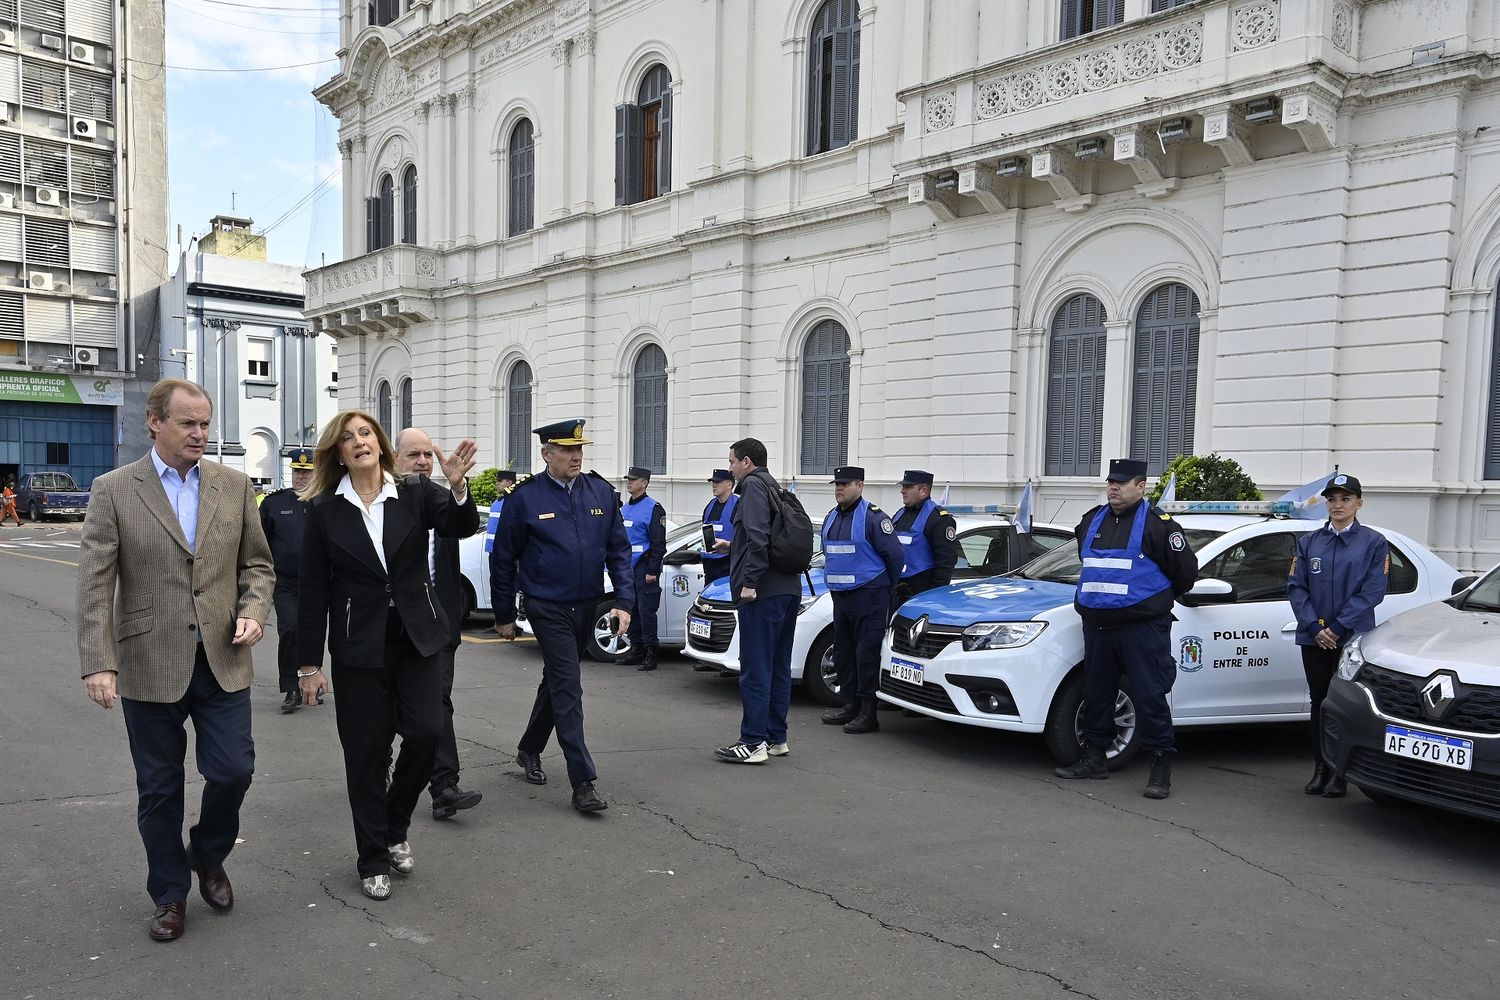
x=772 y=536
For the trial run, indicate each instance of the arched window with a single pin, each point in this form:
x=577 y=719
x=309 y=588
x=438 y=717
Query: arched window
x=409 y=205
x=1164 y=395
x=383 y=405
x=380 y=216
x=1075 y=387
x=1492 y=441
x=648 y=387
x=643 y=140
x=1079 y=17
x=519 y=163
x=825 y=398
x=518 y=418
x=406 y=419
x=833 y=77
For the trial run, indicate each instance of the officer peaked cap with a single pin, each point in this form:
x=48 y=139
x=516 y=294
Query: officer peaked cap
x=636 y=472
x=1123 y=470
x=916 y=477
x=568 y=433
x=848 y=473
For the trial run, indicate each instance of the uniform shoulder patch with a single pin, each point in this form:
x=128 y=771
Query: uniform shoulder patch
x=1177 y=542
x=952 y=532
x=941 y=512
x=886 y=525
x=874 y=506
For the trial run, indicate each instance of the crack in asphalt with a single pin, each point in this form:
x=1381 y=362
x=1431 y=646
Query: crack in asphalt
x=67 y=798
x=35 y=605
x=882 y=922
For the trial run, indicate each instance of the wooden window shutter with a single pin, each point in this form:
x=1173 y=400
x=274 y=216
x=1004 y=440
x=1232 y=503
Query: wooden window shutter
x=409 y=205
x=1107 y=13
x=518 y=428
x=1075 y=388
x=627 y=154
x=664 y=147
x=1165 y=384
x=1072 y=18
x=521 y=164
x=815 y=95
x=372 y=224
x=825 y=399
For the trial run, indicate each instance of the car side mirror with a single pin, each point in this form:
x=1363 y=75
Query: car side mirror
x=1462 y=584
x=1209 y=591
x=682 y=557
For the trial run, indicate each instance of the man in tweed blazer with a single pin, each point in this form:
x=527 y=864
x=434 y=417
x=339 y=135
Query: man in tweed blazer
x=174 y=582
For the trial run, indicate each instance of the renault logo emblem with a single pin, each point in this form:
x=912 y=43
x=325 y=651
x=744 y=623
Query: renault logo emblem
x=1437 y=696
x=917 y=628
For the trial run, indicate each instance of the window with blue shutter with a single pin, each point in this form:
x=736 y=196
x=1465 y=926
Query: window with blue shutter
x=1492 y=441
x=385 y=213
x=643 y=140
x=519 y=162
x=1079 y=17
x=649 y=409
x=409 y=205
x=518 y=439
x=1164 y=391
x=383 y=405
x=825 y=399
x=405 y=393
x=1075 y=387
x=833 y=77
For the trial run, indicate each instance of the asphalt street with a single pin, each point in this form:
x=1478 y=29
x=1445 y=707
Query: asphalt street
x=927 y=860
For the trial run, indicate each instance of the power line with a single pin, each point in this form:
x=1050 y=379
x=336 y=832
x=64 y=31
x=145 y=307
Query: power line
x=247 y=27
x=321 y=11
x=322 y=188
x=232 y=69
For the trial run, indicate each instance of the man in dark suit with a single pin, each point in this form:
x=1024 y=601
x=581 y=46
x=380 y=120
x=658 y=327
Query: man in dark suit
x=174 y=583
x=282 y=515
x=414 y=456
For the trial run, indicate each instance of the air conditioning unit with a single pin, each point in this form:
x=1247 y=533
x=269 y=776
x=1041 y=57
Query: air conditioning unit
x=53 y=42
x=85 y=356
x=7 y=38
x=49 y=196
x=79 y=52
x=7 y=200
x=85 y=128
x=7 y=113
x=39 y=281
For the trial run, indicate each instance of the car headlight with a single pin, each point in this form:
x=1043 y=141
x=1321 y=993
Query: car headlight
x=1000 y=635
x=1351 y=659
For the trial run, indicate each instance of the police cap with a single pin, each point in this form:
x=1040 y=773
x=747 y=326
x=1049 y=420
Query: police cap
x=302 y=459
x=916 y=477
x=568 y=433
x=1348 y=484
x=505 y=476
x=721 y=476
x=848 y=474
x=1123 y=470
x=636 y=472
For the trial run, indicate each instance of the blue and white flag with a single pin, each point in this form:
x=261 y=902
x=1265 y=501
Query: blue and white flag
x=943 y=501
x=1021 y=548
x=792 y=486
x=1022 y=520
x=1307 y=500
x=1169 y=492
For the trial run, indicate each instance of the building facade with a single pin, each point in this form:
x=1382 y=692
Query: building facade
x=82 y=228
x=1000 y=240
x=232 y=322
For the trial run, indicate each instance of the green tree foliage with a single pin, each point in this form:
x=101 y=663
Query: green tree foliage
x=1207 y=477
x=484 y=488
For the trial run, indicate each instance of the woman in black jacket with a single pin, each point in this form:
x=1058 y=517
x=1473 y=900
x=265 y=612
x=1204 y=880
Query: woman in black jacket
x=366 y=583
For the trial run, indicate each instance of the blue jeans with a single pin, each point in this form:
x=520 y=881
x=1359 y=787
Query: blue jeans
x=766 y=627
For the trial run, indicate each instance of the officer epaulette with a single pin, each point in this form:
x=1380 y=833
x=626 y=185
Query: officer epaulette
x=941 y=512
x=523 y=480
x=511 y=487
x=595 y=474
x=1160 y=513
x=874 y=507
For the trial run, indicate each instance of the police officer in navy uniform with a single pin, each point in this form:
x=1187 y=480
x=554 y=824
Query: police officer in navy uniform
x=558 y=534
x=928 y=536
x=718 y=526
x=1136 y=563
x=862 y=561
x=646 y=527
x=505 y=481
x=282 y=518
x=1339 y=575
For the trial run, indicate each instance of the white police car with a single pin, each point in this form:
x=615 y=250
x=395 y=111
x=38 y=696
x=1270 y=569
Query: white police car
x=984 y=547
x=681 y=581
x=1007 y=652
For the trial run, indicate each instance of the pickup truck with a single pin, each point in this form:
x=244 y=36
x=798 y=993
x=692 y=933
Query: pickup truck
x=44 y=493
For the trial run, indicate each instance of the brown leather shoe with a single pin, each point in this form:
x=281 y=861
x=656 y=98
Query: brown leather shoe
x=166 y=922
x=213 y=885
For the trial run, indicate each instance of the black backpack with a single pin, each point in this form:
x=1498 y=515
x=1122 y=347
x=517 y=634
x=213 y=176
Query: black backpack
x=791 y=543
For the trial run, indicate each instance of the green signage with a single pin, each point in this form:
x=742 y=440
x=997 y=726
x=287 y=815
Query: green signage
x=36 y=387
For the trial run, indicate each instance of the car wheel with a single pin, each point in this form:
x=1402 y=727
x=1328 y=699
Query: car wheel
x=604 y=645
x=471 y=604
x=35 y=512
x=1062 y=733
x=819 y=679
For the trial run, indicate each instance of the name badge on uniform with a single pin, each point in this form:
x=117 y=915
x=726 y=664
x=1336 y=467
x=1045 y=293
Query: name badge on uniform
x=544 y=517
x=1315 y=564
x=596 y=510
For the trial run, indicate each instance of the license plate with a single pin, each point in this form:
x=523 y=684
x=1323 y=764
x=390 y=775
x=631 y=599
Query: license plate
x=1434 y=748
x=904 y=670
x=699 y=628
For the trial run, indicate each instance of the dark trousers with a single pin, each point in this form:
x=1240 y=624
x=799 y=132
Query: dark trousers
x=226 y=759
x=561 y=631
x=445 y=763
x=860 y=617
x=286 y=634
x=1319 y=665
x=767 y=626
x=715 y=569
x=643 y=615
x=1142 y=652
x=374 y=704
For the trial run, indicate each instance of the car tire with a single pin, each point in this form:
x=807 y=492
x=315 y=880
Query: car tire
x=817 y=679
x=34 y=512
x=602 y=645
x=1061 y=732
x=471 y=604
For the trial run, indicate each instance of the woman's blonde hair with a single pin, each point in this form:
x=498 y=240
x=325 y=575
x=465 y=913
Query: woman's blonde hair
x=328 y=468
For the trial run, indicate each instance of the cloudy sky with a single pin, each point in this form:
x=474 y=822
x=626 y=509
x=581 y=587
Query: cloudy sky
x=256 y=139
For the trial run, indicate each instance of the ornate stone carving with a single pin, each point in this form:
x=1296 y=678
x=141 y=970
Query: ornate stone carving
x=356 y=272
x=1254 y=25
x=517 y=40
x=426 y=265
x=571 y=8
x=938 y=110
x=391 y=87
x=1342 y=28
x=423 y=108
x=1163 y=51
x=583 y=42
x=390 y=264
x=346 y=148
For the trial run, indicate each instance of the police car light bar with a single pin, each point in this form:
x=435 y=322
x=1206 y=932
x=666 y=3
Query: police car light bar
x=1271 y=508
x=988 y=508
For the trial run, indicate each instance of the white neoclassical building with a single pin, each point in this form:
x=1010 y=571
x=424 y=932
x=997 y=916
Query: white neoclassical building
x=999 y=239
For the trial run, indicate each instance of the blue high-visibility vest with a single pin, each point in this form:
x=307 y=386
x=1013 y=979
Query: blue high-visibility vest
x=1118 y=578
x=914 y=542
x=637 y=515
x=492 y=524
x=852 y=562
x=721 y=530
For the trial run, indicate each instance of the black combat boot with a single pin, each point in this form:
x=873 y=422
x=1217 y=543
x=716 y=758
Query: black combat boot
x=636 y=655
x=1090 y=764
x=1159 y=785
x=1337 y=786
x=866 y=721
x=1321 y=774
x=839 y=716
x=648 y=662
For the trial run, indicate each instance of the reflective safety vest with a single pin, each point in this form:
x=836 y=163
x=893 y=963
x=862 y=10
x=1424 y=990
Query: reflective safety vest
x=852 y=562
x=720 y=530
x=1118 y=578
x=493 y=524
x=637 y=516
x=914 y=542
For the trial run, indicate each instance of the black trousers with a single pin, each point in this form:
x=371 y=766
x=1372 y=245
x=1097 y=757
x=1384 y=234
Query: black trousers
x=402 y=696
x=647 y=603
x=226 y=759
x=561 y=631
x=1319 y=666
x=860 y=617
x=285 y=598
x=715 y=569
x=1142 y=651
x=445 y=763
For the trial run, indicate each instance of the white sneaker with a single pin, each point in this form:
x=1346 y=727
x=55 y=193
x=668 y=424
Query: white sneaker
x=778 y=749
x=376 y=886
x=743 y=753
x=401 y=858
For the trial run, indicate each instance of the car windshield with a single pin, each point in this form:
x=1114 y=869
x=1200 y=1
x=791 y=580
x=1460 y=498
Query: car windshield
x=1062 y=564
x=53 y=481
x=1485 y=595
x=691 y=533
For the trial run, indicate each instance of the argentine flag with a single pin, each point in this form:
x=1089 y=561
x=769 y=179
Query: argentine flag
x=1169 y=492
x=1307 y=499
x=1022 y=520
